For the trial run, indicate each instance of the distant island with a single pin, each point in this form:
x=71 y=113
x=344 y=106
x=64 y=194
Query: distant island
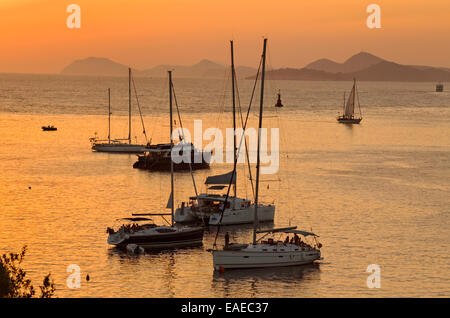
x=95 y=66
x=362 y=66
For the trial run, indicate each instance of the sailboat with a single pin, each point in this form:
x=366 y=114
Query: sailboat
x=214 y=209
x=159 y=157
x=266 y=253
x=118 y=145
x=348 y=117
x=152 y=236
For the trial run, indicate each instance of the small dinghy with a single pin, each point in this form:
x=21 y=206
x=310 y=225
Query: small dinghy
x=49 y=128
x=135 y=249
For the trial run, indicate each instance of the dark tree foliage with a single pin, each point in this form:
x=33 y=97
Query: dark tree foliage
x=13 y=280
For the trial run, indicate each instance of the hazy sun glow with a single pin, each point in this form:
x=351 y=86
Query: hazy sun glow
x=35 y=37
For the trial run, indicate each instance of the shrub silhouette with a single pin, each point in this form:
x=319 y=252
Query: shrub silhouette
x=13 y=280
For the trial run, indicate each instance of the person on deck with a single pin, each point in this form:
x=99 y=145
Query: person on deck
x=227 y=239
x=296 y=239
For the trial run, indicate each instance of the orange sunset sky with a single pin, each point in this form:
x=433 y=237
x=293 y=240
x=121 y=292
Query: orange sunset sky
x=144 y=33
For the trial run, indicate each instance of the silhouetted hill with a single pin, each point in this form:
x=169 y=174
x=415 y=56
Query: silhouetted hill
x=355 y=63
x=95 y=66
x=105 y=67
x=325 y=65
x=203 y=69
x=389 y=71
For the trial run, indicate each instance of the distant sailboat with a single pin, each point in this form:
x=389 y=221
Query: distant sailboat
x=348 y=116
x=117 y=145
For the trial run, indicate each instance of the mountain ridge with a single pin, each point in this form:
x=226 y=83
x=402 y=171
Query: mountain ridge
x=354 y=63
x=362 y=66
x=96 y=66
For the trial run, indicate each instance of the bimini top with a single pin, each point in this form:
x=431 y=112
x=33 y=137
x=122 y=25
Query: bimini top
x=221 y=179
x=291 y=229
x=135 y=219
x=217 y=187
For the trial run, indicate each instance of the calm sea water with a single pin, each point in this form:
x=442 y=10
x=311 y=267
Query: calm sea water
x=376 y=193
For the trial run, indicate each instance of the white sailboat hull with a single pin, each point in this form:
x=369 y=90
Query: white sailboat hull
x=265 y=255
x=119 y=148
x=266 y=213
x=160 y=237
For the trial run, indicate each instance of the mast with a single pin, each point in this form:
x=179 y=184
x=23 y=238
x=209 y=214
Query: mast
x=129 y=105
x=343 y=109
x=233 y=74
x=359 y=105
x=171 y=145
x=354 y=93
x=109 y=115
x=255 y=221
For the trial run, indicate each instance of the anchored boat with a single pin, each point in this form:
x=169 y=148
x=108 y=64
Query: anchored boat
x=348 y=117
x=152 y=236
x=293 y=251
x=49 y=128
x=142 y=232
x=267 y=253
x=158 y=158
x=118 y=145
x=215 y=209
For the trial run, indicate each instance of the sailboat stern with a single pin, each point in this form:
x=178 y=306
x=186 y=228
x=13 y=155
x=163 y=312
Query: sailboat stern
x=265 y=255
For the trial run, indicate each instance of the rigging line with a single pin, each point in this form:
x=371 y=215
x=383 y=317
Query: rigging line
x=165 y=220
x=218 y=118
x=235 y=161
x=161 y=96
x=278 y=122
x=245 y=124
x=222 y=104
x=183 y=141
x=282 y=142
x=245 y=140
x=139 y=107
